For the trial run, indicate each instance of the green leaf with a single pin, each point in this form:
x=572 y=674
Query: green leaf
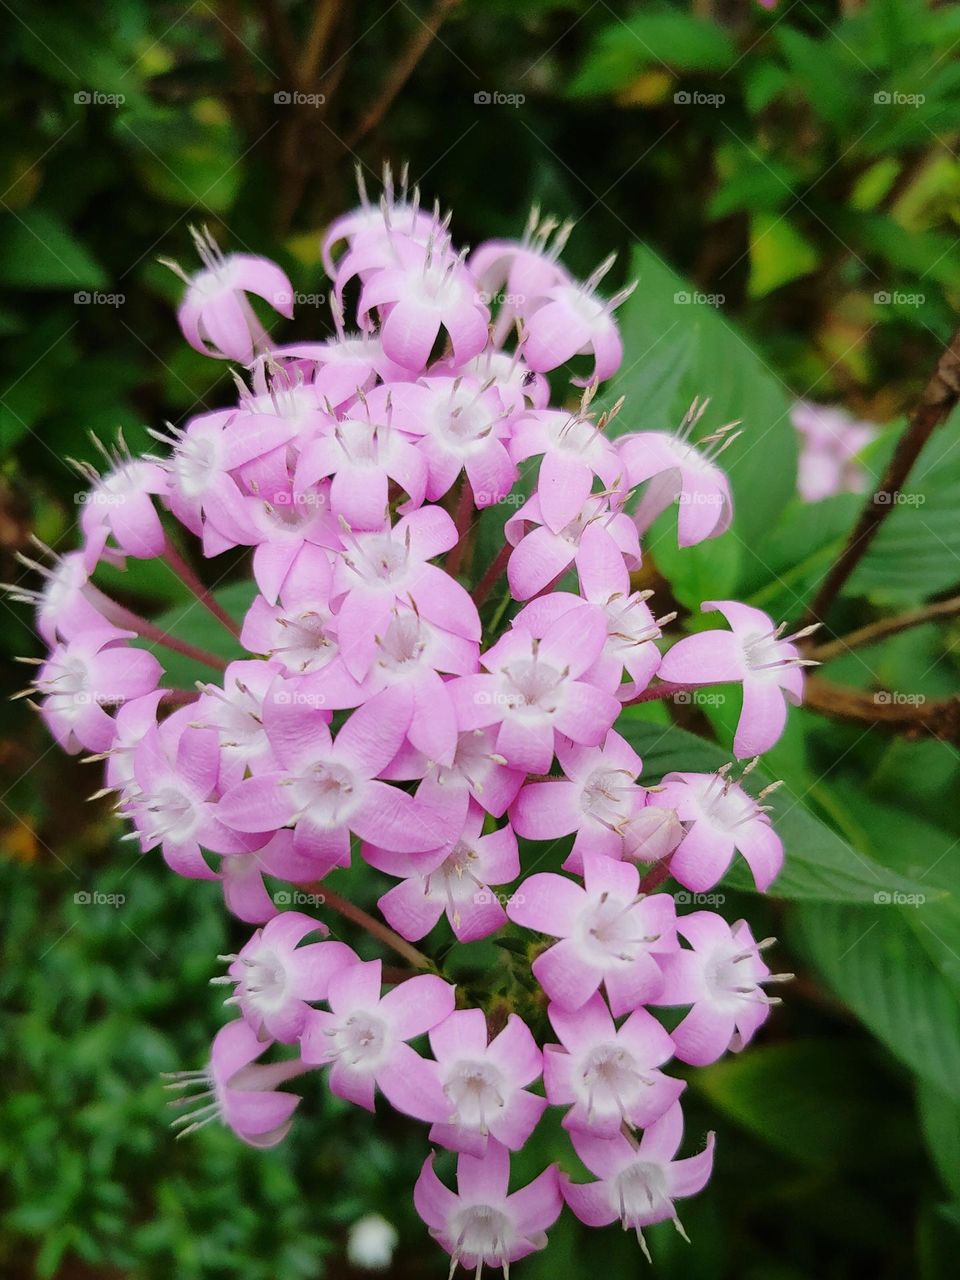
x=38 y=251
x=940 y=1120
x=193 y=623
x=670 y=40
x=818 y=863
x=876 y=966
x=778 y=254
x=812 y=1100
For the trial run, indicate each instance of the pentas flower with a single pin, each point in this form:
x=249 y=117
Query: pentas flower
x=120 y=506
x=638 y=1182
x=574 y=451
x=518 y=387
x=597 y=799
x=235 y=710
x=455 y=880
x=533 y=691
x=174 y=801
x=753 y=653
x=485 y=1084
x=518 y=271
x=721 y=976
x=607 y=1076
x=299 y=633
x=376 y=570
x=461 y=424
x=83 y=677
x=429 y=289
x=397 y=212
x=719 y=818
x=237 y=1090
x=610 y=933
x=364 y=1036
x=130 y=725
x=480 y=1224
x=478 y=771
x=216 y=317
x=276 y=978
x=830 y=441
x=681 y=470
x=242 y=877
x=540 y=556
x=363 y=457
x=67 y=603
x=328 y=788
x=569 y=319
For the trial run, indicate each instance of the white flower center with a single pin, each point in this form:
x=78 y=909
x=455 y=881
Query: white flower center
x=639 y=1190
x=475 y=1091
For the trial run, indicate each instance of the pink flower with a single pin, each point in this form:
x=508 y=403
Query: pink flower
x=241 y=875
x=597 y=800
x=638 y=1183
x=719 y=817
x=721 y=977
x=569 y=319
x=173 y=801
x=461 y=425
x=364 y=1035
x=610 y=934
x=609 y=1076
x=215 y=316
x=541 y=556
x=455 y=880
x=519 y=271
x=480 y=1224
x=477 y=771
x=299 y=634
x=363 y=456
x=275 y=978
x=679 y=471
x=574 y=450
x=67 y=603
x=242 y=1092
x=327 y=788
x=84 y=676
x=376 y=570
x=397 y=212
x=485 y=1084
x=428 y=290
x=830 y=440
x=753 y=654
x=120 y=504
x=534 y=691
x=235 y=710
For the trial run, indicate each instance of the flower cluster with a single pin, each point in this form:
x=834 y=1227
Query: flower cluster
x=388 y=712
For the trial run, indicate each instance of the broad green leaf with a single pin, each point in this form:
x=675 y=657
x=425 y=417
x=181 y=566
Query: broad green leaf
x=818 y=864
x=874 y=963
x=812 y=1100
x=192 y=622
x=39 y=251
x=940 y=1120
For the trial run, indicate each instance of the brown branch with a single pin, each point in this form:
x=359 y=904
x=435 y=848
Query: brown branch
x=911 y=715
x=403 y=68
x=939 y=397
x=318 y=38
x=876 y=631
x=376 y=928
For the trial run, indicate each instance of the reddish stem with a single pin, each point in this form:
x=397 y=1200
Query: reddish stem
x=489 y=579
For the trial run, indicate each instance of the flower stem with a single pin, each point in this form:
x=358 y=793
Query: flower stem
x=147 y=630
x=487 y=582
x=464 y=520
x=664 y=690
x=374 y=927
x=187 y=576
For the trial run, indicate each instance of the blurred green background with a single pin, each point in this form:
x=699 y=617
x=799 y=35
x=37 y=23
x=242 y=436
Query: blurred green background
x=786 y=185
